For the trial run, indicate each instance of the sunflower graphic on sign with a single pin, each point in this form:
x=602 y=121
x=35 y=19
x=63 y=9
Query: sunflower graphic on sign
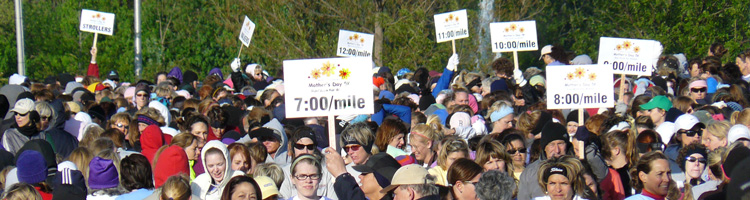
x=626 y=46
x=580 y=73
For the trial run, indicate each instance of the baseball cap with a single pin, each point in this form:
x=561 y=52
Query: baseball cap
x=382 y=163
x=687 y=122
x=23 y=106
x=660 y=101
x=546 y=50
x=737 y=132
x=267 y=186
x=409 y=175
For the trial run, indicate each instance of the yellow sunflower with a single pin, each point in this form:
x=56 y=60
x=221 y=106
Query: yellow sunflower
x=626 y=45
x=636 y=49
x=315 y=73
x=513 y=27
x=580 y=72
x=456 y=18
x=450 y=17
x=327 y=68
x=521 y=29
x=344 y=73
x=356 y=36
x=362 y=40
x=619 y=47
x=506 y=29
x=570 y=76
x=592 y=76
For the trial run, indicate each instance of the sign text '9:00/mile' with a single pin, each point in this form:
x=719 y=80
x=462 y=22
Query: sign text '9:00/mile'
x=452 y=34
x=330 y=103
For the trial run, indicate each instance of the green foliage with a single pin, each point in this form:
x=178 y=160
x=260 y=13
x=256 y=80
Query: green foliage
x=200 y=35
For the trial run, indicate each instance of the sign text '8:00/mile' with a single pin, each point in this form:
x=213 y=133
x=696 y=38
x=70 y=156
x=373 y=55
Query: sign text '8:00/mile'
x=623 y=66
x=579 y=99
x=330 y=103
x=452 y=34
x=515 y=44
x=353 y=52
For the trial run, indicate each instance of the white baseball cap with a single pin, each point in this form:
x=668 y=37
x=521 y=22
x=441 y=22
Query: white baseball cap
x=686 y=122
x=546 y=50
x=737 y=132
x=23 y=106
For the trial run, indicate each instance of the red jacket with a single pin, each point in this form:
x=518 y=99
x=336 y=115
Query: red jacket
x=612 y=186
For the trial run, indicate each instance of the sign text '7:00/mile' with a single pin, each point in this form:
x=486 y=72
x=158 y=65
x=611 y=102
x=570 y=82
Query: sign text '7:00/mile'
x=452 y=33
x=326 y=103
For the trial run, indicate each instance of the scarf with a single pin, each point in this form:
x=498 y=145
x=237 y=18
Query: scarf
x=28 y=130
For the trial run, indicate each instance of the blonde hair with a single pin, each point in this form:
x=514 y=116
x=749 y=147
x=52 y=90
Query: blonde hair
x=719 y=129
x=119 y=117
x=424 y=133
x=741 y=117
x=90 y=134
x=21 y=191
x=177 y=187
x=434 y=122
x=489 y=148
x=715 y=161
x=4 y=175
x=573 y=169
x=81 y=156
x=271 y=170
x=527 y=121
x=451 y=145
x=362 y=133
x=496 y=106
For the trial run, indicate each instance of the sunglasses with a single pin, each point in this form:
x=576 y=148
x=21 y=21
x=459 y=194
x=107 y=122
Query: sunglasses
x=119 y=125
x=698 y=90
x=45 y=118
x=303 y=146
x=514 y=151
x=693 y=159
x=352 y=147
x=140 y=95
x=22 y=115
x=690 y=133
x=266 y=138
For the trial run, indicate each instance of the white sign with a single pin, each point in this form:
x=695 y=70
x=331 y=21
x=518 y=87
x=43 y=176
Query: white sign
x=355 y=44
x=580 y=86
x=246 y=33
x=97 y=22
x=328 y=86
x=513 y=36
x=629 y=56
x=451 y=26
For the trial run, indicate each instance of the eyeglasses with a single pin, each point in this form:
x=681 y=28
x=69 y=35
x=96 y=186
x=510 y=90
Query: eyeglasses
x=140 y=95
x=303 y=146
x=306 y=176
x=698 y=90
x=690 y=133
x=352 y=147
x=514 y=151
x=120 y=125
x=22 y=115
x=45 y=118
x=693 y=159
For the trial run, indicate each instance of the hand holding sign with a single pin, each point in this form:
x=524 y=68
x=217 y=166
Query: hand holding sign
x=97 y=22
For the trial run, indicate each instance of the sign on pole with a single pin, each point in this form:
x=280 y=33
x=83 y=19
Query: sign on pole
x=97 y=22
x=451 y=26
x=513 y=36
x=579 y=86
x=246 y=33
x=354 y=44
x=328 y=86
x=629 y=56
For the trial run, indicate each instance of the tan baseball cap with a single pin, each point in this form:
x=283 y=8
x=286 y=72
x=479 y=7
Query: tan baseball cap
x=409 y=175
x=23 y=106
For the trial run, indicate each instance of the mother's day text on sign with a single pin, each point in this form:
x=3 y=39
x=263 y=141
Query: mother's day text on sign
x=328 y=86
x=246 y=33
x=97 y=22
x=513 y=36
x=629 y=56
x=355 y=44
x=451 y=26
x=579 y=86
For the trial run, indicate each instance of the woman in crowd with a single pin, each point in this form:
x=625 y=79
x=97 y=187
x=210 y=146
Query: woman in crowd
x=240 y=157
x=306 y=173
x=136 y=177
x=25 y=127
x=491 y=155
x=715 y=135
x=390 y=137
x=619 y=152
x=651 y=176
x=176 y=188
x=501 y=116
x=463 y=175
x=143 y=118
x=516 y=148
x=209 y=186
x=423 y=141
x=560 y=178
x=192 y=147
x=121 y=122
x=103 y=180
x=692 y=161
x=241 y=188
x=451 y=150
x=21 y=191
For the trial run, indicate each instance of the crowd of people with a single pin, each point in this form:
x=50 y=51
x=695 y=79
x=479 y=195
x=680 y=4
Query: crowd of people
x=681 y=133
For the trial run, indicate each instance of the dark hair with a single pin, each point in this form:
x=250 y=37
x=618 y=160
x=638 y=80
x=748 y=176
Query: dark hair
x=690 y=148
x=730 y=73
x=639 y=100
x=156 y=77
x=503 y=66
x=218 y=117
x=136 y=172
x=717 y=49
x=463 y=170
x=644 y=165
x=115 y=135
x=558 y=53
x=237 y=180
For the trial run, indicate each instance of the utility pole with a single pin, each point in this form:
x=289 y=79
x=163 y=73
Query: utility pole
x=19 y=37
x=138 y=54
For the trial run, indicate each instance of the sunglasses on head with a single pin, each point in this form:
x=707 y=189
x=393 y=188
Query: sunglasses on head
x=352 y=147
x=690 y=133
x=698 y=90
x=693 y=159
x=514 y=151
x=303 y=146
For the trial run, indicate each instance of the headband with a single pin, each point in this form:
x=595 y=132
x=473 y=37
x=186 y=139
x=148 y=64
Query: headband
x=555 y=170
x=316 y=162
x=500 y=113
x=349 y=139
x=698 y=84
x=147 y=120
x=419 y=134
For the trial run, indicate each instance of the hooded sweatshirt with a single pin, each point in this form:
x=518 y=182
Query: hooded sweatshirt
x=201 y=185
x=151 y=140
x=63 y=142
x=173 y=160
x=281 y=157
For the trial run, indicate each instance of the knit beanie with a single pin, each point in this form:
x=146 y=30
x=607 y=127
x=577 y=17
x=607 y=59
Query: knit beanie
x=31 y=167
x=102 y=174
x=553 y=131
